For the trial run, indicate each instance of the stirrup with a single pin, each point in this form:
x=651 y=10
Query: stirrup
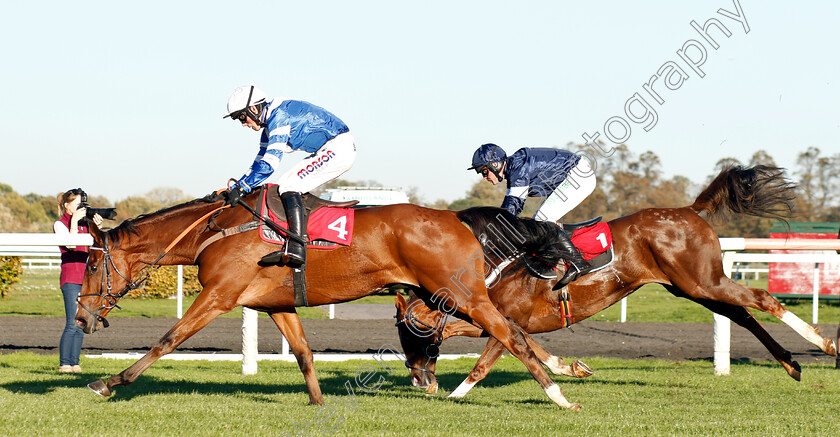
x=280 y=258
x=572 y=273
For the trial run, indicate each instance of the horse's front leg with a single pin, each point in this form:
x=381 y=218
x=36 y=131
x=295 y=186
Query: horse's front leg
x=290 y=327
x=513 y=339
x=489 y=357
x=494 y=350
x=555 y=364
x=202 y=312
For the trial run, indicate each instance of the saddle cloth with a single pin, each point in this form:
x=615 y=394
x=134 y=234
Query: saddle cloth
x=327 y=227
x=592 y=240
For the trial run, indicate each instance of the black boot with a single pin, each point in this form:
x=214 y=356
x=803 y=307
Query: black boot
x=294 y=254
x=577 y=266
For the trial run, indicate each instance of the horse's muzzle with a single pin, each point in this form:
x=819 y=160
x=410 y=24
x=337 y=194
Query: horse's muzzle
x=89 y=324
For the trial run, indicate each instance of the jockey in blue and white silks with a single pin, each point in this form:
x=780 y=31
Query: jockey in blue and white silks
x=563 y=178
x=288 y=126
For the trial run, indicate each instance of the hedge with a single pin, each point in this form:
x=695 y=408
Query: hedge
x=164 y=283
x=10 y=271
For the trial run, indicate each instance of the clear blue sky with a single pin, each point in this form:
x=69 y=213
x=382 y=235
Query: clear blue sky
x=120 y=98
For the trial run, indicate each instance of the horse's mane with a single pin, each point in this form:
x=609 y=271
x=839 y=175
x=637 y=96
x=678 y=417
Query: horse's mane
x=128 y=226
x=502 y=233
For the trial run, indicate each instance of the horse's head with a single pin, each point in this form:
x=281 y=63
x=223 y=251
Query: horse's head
x=107 y=279
x=421 y=333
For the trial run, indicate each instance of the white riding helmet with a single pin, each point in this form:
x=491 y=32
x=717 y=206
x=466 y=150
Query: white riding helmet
x=243 y=98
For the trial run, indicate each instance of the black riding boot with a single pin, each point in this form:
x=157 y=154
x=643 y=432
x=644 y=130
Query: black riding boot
x=295 y=253
x=577 y=266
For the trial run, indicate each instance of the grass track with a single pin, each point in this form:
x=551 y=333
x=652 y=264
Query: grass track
x=627 y=398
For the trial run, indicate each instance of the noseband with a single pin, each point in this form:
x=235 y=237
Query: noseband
x=105 y=286
x=436 y=345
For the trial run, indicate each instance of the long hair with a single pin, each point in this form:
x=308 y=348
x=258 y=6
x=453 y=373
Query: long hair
x=759 y=191
x=503 y=235
x=65 y=197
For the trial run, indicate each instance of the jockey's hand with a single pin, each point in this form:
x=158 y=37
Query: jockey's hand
x=234 y=195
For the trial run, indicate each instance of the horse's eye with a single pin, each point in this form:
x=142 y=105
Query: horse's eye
x=93 y=269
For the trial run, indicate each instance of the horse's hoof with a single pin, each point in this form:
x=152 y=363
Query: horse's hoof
x=575 y=407
x=829 y=347
x=432 y=389
x=581 y=370
x=793 y=370
x=100 y=387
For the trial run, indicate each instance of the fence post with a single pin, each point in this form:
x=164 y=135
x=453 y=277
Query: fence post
x=249 y=341
x=722 y=328
x=815 y=305
x=180 y=301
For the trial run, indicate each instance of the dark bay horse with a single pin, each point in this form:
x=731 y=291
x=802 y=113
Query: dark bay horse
x=674 y=247
x=430 y=251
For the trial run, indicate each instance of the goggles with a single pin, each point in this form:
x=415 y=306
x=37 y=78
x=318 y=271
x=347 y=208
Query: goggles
x=240 y=116
x=483 y=171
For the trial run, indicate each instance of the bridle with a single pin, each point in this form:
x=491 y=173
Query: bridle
x=111 y=298
x=436 y=345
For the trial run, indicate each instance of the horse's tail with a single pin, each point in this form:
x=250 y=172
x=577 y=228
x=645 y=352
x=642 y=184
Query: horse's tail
x=760 y=191
x=503 y=235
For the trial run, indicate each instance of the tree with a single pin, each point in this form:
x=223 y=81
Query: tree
x=480 y=194
x=819 y=179
x=167 y=196
x=761 y=157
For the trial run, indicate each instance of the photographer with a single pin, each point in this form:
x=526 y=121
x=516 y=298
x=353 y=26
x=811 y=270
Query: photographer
x=73 y=260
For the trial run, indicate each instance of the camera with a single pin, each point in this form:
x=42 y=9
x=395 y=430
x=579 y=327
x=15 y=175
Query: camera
x=105 y=213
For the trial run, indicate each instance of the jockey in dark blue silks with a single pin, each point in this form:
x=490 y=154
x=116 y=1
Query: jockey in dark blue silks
x=563 y=178
x=288 y=126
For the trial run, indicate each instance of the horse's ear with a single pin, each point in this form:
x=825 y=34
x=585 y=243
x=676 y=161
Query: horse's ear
x=95 y=232
x=400 y=303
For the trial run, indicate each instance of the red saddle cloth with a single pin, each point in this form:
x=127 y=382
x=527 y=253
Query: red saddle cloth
x=593 y=240
x=326 y=224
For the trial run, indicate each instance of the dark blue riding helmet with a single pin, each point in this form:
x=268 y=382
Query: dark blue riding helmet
x=491 y=157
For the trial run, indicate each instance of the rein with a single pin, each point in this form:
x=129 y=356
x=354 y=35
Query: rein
x=111 y=298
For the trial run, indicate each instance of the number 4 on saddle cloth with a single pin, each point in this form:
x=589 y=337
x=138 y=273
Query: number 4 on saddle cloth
x=328 y=224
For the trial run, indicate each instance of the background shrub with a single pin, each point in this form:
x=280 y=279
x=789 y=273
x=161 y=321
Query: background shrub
x=10 y=271
x=164 y=283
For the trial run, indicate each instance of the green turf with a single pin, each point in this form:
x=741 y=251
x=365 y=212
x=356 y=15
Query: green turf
x=626 y=398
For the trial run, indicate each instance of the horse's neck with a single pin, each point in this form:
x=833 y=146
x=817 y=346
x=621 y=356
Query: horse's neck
x=154 y=233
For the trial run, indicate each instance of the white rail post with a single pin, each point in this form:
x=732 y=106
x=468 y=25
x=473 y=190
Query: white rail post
x=180 y=301
x=722 y=328
x=815 y=305
x=623 y=309
x=249 y=341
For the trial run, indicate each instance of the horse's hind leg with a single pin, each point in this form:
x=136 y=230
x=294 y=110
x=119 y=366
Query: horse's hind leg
x=744 y=318
x=290 y=327
x=733 y=293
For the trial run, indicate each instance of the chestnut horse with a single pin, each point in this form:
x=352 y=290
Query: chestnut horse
x=427 y=250
x=674 y=247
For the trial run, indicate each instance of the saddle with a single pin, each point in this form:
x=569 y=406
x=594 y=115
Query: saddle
x=310 y=203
